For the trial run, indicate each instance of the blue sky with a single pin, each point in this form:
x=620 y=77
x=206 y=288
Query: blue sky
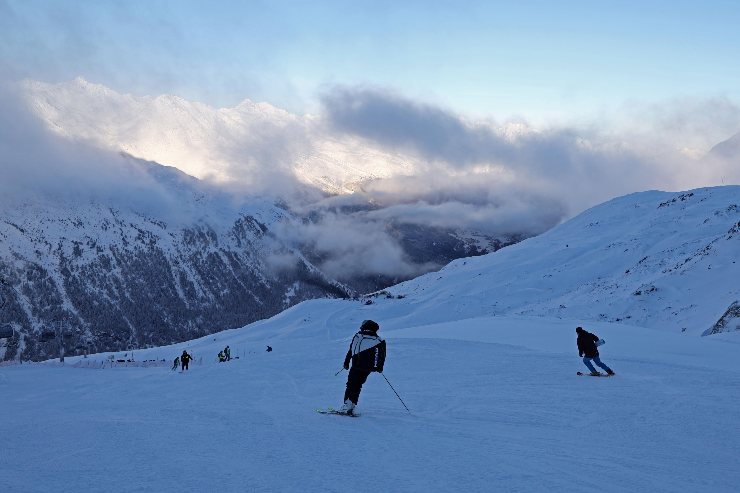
x=536 y=59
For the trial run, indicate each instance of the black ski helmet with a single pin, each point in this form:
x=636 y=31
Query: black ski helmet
x=370 y=326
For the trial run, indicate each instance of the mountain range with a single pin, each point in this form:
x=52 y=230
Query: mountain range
x=111 y=276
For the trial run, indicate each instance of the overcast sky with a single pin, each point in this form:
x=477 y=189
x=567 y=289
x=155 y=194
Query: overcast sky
x=536 y=59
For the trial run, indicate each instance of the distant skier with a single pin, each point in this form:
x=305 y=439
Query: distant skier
x=176 y=364
x=587 y=348
x=185 y=359
x=221 y=357
x=269 y=349
x=367 y=353
x=227 y=353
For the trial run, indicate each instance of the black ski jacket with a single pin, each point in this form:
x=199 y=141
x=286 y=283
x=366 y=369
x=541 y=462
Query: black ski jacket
x=367 y=352
x=587 y=344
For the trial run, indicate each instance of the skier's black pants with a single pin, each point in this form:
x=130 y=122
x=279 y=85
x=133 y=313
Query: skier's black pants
x=354 y=384
x=185 y=365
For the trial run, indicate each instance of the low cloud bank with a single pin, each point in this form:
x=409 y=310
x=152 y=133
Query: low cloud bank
x=352 y=245
x=579 y=166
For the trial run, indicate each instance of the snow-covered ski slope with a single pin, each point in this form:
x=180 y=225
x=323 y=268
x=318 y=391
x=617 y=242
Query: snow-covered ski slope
x=495 y=400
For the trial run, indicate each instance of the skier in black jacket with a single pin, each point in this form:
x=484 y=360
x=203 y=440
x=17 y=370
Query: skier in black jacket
x=367 y=353
x=185 y=360
x=587 y=348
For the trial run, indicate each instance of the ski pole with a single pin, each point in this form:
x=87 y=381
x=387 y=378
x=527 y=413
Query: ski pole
x=340 y=371
x=394 y=391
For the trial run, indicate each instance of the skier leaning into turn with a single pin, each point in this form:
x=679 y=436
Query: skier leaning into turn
x=587 y=348
x=367 y=353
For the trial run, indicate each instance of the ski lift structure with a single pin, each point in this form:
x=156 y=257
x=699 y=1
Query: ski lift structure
x=47 y=336
x=7 y=332
x=57 y=333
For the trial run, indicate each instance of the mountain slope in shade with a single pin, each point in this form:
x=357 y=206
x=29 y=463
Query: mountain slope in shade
x=123 y=273
x=116 y=275
x=727 y=149
x=728 y=322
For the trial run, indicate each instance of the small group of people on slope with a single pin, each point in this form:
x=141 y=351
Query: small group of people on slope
x=184 y=360
x=224 y=355
x=367 y=353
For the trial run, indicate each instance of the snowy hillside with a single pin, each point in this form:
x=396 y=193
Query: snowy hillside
x=120 y=278
x=481 y=353
x=654 y=259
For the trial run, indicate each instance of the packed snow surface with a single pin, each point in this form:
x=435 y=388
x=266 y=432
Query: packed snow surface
x=495 y=406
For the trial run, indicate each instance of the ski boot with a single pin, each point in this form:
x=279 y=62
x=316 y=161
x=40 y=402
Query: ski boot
x=348 y=407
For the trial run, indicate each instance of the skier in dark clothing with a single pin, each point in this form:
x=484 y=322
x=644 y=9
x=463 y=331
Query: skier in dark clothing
x=587 y=343
x=227 y=353
x=367 y=354
x=176 y=364
x=185 y=359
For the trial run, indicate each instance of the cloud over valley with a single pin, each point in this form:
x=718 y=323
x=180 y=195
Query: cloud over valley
x=369 y=162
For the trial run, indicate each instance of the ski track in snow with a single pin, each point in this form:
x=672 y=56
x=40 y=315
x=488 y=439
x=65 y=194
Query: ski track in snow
x=490 y=413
